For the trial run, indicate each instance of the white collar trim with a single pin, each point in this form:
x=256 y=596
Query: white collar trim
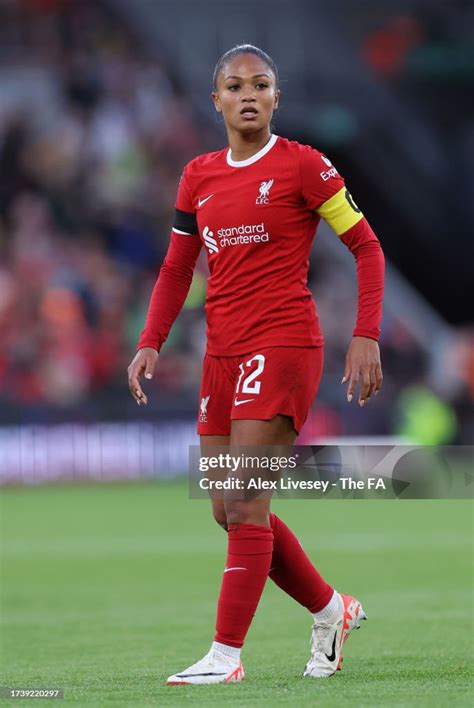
x=250 y=160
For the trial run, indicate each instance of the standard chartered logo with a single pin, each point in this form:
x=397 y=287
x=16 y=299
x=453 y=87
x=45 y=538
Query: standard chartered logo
x=209 y=240
x=235 y=236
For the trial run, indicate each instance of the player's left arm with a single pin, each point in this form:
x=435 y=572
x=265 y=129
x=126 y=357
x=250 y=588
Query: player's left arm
x=363 y=357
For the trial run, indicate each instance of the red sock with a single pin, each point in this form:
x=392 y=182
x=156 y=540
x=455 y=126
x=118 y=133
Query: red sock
x=292 y=570
x=249 y=555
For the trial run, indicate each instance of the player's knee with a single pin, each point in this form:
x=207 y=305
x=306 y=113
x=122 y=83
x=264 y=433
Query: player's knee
x=239 y=511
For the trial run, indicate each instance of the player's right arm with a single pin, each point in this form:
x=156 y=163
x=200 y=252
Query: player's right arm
x=169 y=293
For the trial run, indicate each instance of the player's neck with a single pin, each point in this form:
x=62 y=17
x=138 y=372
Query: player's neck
x=244 y=146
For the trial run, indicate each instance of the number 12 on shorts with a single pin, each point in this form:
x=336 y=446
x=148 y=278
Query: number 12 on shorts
x=248 y=382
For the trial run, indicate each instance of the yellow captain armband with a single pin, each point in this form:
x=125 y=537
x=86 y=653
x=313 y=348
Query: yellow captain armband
x=340 y=212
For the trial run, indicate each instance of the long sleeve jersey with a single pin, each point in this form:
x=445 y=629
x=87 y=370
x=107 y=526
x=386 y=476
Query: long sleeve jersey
x=257 y=219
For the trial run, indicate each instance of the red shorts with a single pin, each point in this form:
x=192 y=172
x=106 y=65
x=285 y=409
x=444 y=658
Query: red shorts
x=258 y=386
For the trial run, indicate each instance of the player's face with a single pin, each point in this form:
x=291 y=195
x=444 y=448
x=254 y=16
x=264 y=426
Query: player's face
x=246 y=94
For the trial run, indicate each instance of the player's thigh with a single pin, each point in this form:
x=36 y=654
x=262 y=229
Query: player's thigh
x=277 y=431
x=261 y=439
x=210 y=445
x=257 y=439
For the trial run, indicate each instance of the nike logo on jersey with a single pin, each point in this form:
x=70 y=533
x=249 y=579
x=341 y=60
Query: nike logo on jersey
x=332 y=656
x=203 y=201
x=246 y=400
x=226 y=570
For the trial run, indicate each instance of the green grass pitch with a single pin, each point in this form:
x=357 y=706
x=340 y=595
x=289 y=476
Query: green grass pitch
x=108 y=589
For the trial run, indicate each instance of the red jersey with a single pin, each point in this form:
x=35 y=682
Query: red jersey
x=256 y=219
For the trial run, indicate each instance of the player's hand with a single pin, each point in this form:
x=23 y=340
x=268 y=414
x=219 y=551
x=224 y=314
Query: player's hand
x=143 y=363
x=363 y=364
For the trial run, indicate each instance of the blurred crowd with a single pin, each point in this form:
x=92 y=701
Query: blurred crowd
x=93 y=137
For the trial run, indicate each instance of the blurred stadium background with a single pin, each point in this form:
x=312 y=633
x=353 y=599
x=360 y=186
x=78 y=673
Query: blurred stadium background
x=102 y=102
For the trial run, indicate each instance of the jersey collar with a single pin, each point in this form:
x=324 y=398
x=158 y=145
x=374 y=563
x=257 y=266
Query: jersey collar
x=250 y=160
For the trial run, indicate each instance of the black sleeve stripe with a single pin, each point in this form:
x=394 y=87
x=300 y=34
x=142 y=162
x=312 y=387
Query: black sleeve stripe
x=185 y=222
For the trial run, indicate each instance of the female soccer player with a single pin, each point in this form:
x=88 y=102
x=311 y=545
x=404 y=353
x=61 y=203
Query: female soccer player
x=255 y=207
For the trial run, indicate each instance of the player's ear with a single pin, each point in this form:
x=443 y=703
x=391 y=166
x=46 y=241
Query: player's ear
x=216 y=101
x=277 y=99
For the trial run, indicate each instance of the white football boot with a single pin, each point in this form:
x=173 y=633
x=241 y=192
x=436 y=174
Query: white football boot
x=327 y=638
x=215 y=667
